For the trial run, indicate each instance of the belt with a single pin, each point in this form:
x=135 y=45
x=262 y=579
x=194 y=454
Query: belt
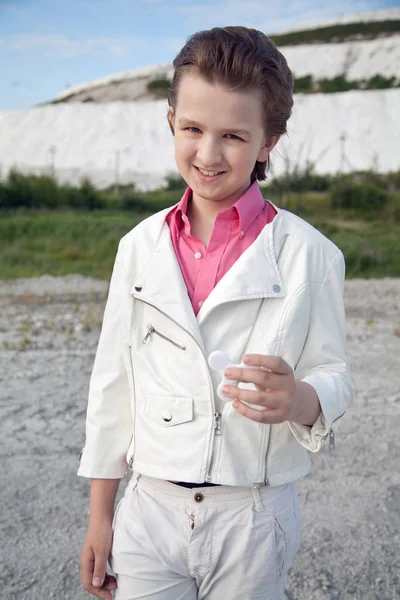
x=194 y=485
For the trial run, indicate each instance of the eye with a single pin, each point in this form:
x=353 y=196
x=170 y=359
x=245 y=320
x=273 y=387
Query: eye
x=193 y=129
x=232 y=136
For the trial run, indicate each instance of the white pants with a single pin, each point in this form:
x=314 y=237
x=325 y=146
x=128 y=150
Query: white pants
x=210 y=543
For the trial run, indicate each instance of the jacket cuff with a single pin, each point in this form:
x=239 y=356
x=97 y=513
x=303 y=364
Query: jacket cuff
x=105 y=470
x=313 y=437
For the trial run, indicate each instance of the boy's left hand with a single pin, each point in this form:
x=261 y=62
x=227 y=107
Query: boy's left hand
x=276 y=389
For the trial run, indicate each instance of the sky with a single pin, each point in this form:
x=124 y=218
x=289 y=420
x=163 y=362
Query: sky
x=49 y=45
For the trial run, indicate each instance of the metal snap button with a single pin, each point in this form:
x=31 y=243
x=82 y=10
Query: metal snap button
x=138 y=287
x=167 y=417
x=198 y=497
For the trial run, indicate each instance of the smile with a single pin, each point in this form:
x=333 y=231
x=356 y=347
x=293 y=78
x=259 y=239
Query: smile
x=209 y=173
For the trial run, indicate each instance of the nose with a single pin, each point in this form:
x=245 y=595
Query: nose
x=208 y=152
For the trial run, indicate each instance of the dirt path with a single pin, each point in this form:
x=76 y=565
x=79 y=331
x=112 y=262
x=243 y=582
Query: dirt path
x=351 y=509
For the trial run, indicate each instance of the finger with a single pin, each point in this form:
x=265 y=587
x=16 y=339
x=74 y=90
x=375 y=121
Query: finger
x=100 y=593
x=104 y=593
x=99 y=572
x=110 y=583
x=266 y=415
x=264 y=399
x=275 y=363
x=261 y=377
x=87 y=574
x=87 y=567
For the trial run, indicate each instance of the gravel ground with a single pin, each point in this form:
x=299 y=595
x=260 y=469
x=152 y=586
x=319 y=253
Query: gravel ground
x=49 y=329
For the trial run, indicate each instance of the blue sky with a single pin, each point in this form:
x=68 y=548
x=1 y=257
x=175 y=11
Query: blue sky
x=47 y=45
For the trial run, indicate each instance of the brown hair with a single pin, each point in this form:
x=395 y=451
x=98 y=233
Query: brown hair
x=240 y=58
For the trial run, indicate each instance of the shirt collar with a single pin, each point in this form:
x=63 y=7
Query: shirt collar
x=181 y=210
x=247 y=208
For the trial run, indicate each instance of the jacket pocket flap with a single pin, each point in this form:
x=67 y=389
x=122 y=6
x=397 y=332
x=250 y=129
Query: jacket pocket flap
x=169 y=410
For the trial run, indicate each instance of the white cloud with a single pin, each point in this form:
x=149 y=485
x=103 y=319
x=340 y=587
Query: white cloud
x=62 y=46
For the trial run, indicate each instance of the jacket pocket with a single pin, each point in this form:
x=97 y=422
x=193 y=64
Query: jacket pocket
x=168 y=411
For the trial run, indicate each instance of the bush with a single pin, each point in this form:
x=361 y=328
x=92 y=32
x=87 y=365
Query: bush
x=175 y=182
x=301 y=180
x=17 y=190
x=134 y=203
x=303 y=84
x=32 y=191
x=366 y=196
x=159 y=87
x=379 y=82
x=90 y=197
x=336 y=84
x=45 y=192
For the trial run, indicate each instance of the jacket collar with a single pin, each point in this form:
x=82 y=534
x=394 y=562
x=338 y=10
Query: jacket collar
x=254 y=275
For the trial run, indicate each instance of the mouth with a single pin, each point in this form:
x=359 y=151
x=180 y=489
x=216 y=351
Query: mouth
x=208 y=175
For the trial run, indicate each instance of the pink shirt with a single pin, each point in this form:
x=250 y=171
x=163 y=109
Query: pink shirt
x=235 y=229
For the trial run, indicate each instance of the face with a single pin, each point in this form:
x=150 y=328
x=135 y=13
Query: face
x=219 y=136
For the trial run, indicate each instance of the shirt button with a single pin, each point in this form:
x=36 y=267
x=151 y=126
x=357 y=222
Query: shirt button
x=198 y=497
x=167 y=417
x=242 y=234
x=197 y=254
x=276 y=288
x=200 y=303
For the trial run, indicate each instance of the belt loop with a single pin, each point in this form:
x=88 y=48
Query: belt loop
x=258 y=505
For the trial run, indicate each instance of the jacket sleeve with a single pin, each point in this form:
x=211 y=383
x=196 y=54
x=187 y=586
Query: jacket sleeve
x=109 y=415
x=323 y=363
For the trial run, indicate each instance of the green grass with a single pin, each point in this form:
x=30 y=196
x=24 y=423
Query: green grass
x=58 y=243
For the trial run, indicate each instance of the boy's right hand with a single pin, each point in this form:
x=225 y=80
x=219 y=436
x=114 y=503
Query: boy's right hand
x=94 y=556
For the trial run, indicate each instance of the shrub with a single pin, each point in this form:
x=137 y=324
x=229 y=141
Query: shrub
x=32 y=191
x=175 y=182
x=159 y=87
x=366 y=196
x=45 y=192
x=2 y=195
x=134 y=203
x=90 y=197
x=379 y=82
x=159 y=84
x=17 y=190
x=336 y=84
x=301 y=180
x=303 y=84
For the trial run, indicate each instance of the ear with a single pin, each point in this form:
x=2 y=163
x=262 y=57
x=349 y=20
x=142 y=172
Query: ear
x=171 y=117
x=269 y=145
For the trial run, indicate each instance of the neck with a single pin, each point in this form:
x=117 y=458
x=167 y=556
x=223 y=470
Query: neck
x=202 y=213
x=201 y=222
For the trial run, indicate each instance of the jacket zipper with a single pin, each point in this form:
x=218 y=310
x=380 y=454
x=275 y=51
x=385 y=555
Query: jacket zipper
x=217 y=432
x=209 y=460
x=151 y=330
x=265 y=482
x=331 y=433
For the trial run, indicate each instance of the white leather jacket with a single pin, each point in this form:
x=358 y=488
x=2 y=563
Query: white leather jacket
x=152 y=397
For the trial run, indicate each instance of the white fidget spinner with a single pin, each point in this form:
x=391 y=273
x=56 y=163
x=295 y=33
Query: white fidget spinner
x=219 y=361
